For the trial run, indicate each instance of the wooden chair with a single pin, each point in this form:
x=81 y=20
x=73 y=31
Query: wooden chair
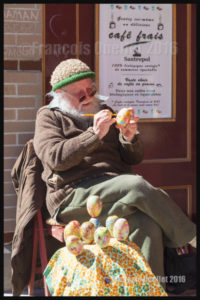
x=55 y=230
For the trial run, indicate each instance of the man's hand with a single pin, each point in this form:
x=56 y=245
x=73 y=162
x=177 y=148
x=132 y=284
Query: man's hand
x=102 y=122
x=130 y=130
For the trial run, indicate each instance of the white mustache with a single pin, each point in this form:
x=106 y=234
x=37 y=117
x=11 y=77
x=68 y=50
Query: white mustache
x=86 y=102
x=83 y=103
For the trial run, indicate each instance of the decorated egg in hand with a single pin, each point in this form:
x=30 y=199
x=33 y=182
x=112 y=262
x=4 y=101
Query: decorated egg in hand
x=74 y=244
x=72 y=228
x=94 y=205
x=102 y=236
x=110 y=221
x=121 y=229
x=123 y=116
x=96 y=222
x=87 y=230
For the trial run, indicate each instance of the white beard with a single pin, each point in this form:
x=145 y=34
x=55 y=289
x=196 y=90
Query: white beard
x=60 y=101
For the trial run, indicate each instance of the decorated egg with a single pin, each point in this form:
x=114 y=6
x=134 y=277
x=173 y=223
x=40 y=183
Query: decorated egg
x=102 y=236
x=123 y=116
x=74 y=244
x=96 y=222
x=87 y=230
x=121 y=229
x=110 y=221
x=72 y=228
x=94 y=205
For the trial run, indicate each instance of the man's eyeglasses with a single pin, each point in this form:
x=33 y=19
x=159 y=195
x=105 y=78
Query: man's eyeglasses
x=90 y=93
x=81 y=96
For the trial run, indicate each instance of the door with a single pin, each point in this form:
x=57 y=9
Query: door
x=170 y=147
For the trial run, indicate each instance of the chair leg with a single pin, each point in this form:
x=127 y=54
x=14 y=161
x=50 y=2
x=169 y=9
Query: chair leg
x=34 y=258
x=43 y=253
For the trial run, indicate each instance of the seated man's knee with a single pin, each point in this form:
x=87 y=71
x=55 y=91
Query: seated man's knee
x=134 y=182
x=145 y=225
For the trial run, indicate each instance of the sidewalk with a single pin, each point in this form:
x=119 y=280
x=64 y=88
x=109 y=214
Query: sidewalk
x=7 y=269
x=40 y=293
x=37 y=293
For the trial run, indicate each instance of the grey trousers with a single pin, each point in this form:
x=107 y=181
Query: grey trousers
x=154 y=218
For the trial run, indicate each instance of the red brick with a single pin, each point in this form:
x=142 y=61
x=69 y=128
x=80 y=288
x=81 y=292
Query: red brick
x=9 y=139
x=9 y=212
x=30 y=65
x=10 y=64
x=30 y=89
x=9 y=163
x=8 y=188
x=19 y=126
x=10 y=200
x=19 y=77
x=18 y=6
x=19 y=27
x=12 y=151
x=39 y=27
x=23 y=138
x=19 y=102
x=27 y=114
x=22 y=52
x=7 y=176
x=9 y=225
x=9 y=114
x=22 y=14
x=9 y=89
x=9 y=39
x=29 y=40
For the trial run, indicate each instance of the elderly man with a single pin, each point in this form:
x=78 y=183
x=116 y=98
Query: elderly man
x=91 y=155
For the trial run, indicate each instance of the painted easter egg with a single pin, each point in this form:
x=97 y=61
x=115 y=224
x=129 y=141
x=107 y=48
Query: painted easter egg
x=102 y=236
x=96 y=222
x=121 y=229
x=110 y=221
x=94 y=205
x=72 y=228
x=87 y=230
x=123 y=116
x=74 y=244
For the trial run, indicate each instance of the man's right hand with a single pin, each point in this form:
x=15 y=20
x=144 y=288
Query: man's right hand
x=102 y=122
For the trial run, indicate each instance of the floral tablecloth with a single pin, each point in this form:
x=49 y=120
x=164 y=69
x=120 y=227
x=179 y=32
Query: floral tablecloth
x=117 y=270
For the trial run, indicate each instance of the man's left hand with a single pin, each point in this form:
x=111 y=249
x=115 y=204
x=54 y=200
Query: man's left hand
x=130 y=130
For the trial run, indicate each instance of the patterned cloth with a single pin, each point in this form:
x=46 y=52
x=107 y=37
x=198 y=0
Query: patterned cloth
x=117 y=270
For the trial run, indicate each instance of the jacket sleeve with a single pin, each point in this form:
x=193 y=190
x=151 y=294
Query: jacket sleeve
x=131 y=152
x=54 y=149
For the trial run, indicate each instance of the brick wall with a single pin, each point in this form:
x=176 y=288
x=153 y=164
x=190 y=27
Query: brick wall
x=23 y=25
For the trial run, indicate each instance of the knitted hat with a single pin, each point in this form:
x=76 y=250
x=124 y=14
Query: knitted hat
x=69 y=71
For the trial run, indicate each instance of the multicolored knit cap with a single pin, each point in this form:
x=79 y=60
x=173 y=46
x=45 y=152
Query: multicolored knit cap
x=69 y=71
